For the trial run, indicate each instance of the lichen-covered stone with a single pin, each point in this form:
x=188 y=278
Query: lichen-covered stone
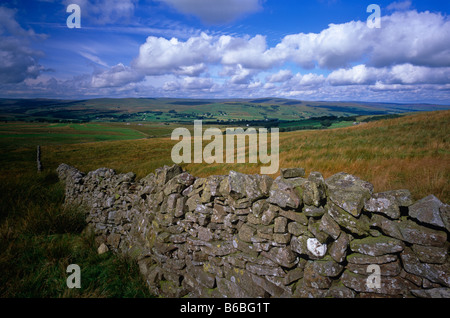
x=395 y=285
x=359 y=226
x=312 y=278
x=438 y=273
x=280 y=225
x=329 y=226
x=298 y=244
x=292 y=172
x=311 y=193
x=269 y=215
x=281 y=238
x=284 y=195
x=166 y=173
x=348 y=192
x=314 y=228
x=338 y=249
x=313 y=211
x=264 y=270
x=445 y=215
x=259 y=206
x=293 y=275
x=427 y=210
x=431 y=254
x=315 y=247
x=294 y=216
x=432 y=293
x=357 y=258
x=339 y=291
x=386 y=269
x=410 y=231
x=327 y=267
x=296 y=228
x=377 y=246
x=389 y=202
x=282 y=256
x=320 y=186
x=246 y=232
x=252 y=187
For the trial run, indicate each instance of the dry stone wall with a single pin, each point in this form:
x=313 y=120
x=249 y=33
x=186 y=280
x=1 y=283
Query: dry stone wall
x=240 y=235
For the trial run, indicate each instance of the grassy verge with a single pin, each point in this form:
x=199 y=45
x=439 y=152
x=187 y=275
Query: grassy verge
x=39 y=238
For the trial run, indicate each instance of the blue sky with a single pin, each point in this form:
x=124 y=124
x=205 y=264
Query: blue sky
x=310 y=50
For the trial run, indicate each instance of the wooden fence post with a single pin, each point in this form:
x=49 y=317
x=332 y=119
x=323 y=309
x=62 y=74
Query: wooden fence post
x=38 y=159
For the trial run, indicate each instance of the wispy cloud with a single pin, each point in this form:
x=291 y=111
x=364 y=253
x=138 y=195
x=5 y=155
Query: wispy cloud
x=93 y=58
x=217 y=12
x=399 y=6
x=103 y=12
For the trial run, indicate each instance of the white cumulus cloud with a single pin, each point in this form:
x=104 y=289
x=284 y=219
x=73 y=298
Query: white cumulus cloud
x=117 y=75
x=397 y=74
x=405 y=37
x=161 y=56
x=281 y=76
x=18 y=60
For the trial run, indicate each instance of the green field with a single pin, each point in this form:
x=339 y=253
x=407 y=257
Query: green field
x=13 y=135
x=177 y=110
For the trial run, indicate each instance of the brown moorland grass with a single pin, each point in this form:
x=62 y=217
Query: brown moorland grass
x=411 y=152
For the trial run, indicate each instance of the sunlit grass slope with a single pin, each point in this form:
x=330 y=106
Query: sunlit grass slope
x=411 y=152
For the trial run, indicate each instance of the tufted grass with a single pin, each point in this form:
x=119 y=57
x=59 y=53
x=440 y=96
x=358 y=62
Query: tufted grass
x=39 y=238
x=411 y=152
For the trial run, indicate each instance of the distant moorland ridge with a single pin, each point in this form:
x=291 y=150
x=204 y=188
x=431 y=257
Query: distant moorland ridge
x=182 y=110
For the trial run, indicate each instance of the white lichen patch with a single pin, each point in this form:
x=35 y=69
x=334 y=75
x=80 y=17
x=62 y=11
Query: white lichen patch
x=315 y=247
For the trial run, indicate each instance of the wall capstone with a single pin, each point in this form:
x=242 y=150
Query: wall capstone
x=240 y=235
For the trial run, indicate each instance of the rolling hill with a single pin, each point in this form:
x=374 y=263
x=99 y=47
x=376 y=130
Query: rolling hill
x=186 y=110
